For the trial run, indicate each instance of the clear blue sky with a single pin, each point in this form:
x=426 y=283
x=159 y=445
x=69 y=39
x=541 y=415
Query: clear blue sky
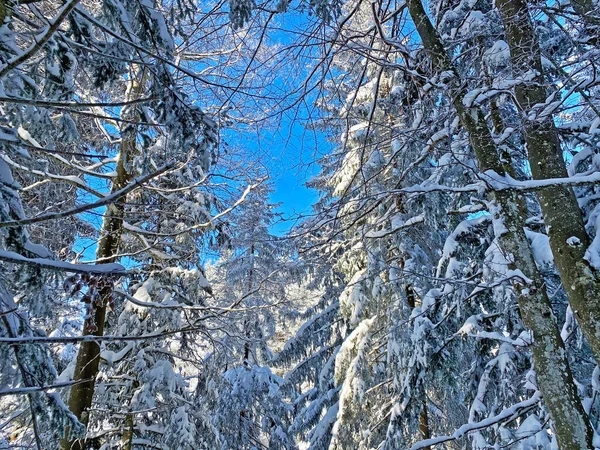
x=289 y=157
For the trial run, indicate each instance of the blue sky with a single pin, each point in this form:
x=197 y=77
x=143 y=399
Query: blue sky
x=289 y=157
x=288 y=154
x=287 y=149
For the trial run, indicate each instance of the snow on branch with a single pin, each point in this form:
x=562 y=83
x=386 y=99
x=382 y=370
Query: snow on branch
x=50 y=104
x=44 y=263
x=30 y=389
x=507 y=415
x=435 y=187
x=396 y=227
x=39 y=40
x=138 y=182
x=143 y=304
x=47 y=176
x=93 y=338
x=506 y=182
x=143 y=50
x=206 y=224
x=497 y=182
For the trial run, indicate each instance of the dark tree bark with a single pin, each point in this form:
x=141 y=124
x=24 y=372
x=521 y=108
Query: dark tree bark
x=424 y=424
x=88 y=357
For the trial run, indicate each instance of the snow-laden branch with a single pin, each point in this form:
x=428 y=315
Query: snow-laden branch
x=198 y=226
x=93 y=338
x=113 y=338
x=145 y=304
x=401 y=48
x=137 y=182
x=508 y=414
x=50 y=104
x=39 y=40
x=435 y=187
x=143 y=50
x=404 y=225
x=506 y=182
x=47 y=176
x=217 y=309
x=31 y=389
x=495 y=182
x=44 y=263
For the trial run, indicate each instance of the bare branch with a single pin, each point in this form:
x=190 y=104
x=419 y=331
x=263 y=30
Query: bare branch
x=138 y=182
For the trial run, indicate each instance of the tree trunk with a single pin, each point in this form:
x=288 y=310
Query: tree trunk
x=424 y=424
x=247 y=334
x=559 y=204
x=88 y=356
x=555 y=381
x=3 y=11
x=127 y=437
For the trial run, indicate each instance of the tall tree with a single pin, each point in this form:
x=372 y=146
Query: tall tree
x=88 y=356
x=558 y=203
x=572 y=425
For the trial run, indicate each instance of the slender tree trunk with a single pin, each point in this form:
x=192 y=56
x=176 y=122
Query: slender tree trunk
x=128 y=424
x=246 y=321
x=127 y=438
x=555 y=380
x=424 y=424
x=566 y=230
x=244 y=413
x=88 y=357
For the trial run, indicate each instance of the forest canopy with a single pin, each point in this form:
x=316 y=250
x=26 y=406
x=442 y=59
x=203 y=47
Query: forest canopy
x=442 y=291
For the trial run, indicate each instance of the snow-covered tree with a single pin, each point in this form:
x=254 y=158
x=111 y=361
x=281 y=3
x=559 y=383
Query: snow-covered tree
x=442 y=293
x=243 y=402
x=404 y=202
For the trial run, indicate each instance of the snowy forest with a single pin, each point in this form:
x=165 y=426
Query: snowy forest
x=441 y=291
